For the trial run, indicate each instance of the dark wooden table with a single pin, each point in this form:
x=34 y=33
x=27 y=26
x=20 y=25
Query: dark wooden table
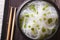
x=17 y=33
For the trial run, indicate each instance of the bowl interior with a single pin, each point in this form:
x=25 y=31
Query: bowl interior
x=20 y=9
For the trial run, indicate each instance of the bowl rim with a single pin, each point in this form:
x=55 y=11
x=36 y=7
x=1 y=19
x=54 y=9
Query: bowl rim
x=28 y=1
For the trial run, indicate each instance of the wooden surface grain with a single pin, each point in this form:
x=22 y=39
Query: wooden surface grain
x=17 y=32
x=17 y=3
x=18 y=35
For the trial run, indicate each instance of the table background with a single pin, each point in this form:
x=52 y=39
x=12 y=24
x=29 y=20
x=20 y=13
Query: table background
x=17 y=33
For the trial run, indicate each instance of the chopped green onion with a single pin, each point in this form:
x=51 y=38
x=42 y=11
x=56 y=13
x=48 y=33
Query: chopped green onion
x=37 y=12
x=33 y=31
x=24 y=25
x=27 y=15
x=37 y=26
x=40 y=19
x=21 y=21
x=43 y=29
x=53 y=30
x=20 y=24
x=45 y=7
x=44 y=18
x=48 y=12
x=32 y=7
x=25 y=20
x=32 y=15
x=50 y=20
x=48 y=29
x=41 y=37
x=56 y=20
x=34 y=21
x=46 y=35
x=44 y=14
x=29 y=26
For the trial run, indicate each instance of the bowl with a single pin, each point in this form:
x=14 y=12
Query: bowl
x=24 y=4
